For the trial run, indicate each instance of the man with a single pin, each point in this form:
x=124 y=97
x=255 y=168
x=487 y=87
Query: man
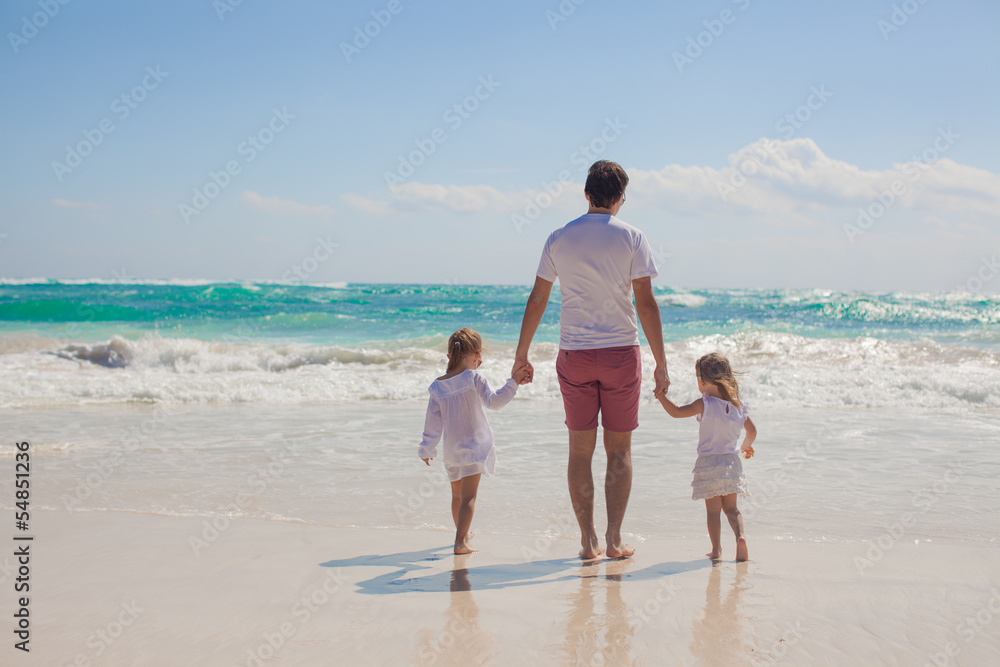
x=600 y=262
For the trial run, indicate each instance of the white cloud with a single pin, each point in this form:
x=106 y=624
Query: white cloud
x=88 y=205
x=91 y=209
x=283 y=206
x=368 y=205
x=779 y=182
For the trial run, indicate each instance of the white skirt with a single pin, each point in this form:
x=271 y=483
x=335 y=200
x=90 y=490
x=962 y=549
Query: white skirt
x=487 y=467
x=718 y=475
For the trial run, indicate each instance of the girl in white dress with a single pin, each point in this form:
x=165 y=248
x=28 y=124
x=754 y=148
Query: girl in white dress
x=455 y=415
x=718 y=472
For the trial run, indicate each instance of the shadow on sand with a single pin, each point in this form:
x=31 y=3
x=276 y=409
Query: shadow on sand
x=407 y=568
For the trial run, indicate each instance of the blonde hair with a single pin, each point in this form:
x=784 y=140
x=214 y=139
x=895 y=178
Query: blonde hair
x=462 y=343
x=714 y=368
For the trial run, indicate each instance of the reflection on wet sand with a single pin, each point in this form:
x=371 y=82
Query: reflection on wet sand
x=461 y=641
x=595 y=635
x=720 y=636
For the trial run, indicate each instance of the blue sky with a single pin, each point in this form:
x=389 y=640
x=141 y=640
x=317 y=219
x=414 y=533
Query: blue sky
x=731 y=186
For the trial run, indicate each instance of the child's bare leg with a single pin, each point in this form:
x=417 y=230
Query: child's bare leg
x=468 y=488
x=456 y=500
x=736 y=521
x=712 y=508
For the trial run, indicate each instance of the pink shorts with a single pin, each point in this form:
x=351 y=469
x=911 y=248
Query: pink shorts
x=605 y=380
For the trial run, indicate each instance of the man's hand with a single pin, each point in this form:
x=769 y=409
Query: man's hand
x=661 y=381
x=533 y=312
x=523 y=366
x=427 y=461
x=521 y=375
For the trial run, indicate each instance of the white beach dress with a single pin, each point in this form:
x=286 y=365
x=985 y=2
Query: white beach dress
x=455 y=415
x=718 y=470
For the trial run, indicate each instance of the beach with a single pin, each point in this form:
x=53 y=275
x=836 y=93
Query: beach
x=280 y=593
x=226 y=541
x=211 y=487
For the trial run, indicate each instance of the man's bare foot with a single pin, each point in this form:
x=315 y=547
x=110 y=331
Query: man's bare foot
x=621 y=551
x=715 y=555
x=592 y=550
x=741 y=550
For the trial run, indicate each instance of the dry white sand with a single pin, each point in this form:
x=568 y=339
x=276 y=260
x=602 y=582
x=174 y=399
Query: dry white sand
x=119 y=588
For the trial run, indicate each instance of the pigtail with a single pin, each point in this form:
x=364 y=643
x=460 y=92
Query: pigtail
x=715 y=368
x=462 y=343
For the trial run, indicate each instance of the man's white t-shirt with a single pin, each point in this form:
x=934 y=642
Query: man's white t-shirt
x=596 y=257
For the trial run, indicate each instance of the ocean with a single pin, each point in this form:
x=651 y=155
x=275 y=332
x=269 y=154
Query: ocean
x=83 y=342
x=305 y=403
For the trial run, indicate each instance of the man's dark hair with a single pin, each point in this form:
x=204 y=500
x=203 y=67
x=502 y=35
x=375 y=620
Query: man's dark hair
x=606 y=183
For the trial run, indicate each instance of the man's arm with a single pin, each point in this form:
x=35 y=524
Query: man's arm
x=649 y=315
x=533 y=312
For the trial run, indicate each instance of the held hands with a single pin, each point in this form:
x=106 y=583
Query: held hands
x=661 y=381
x=427 y=461
x=522 y=370
x=522 y=375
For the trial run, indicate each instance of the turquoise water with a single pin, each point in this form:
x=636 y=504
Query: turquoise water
x=347 y=314
x=200 y=342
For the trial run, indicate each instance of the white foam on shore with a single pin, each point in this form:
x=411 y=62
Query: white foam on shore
x=783 y=370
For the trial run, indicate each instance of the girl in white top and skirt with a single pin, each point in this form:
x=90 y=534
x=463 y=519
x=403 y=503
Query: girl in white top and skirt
x=718 y=472
x=455 y=415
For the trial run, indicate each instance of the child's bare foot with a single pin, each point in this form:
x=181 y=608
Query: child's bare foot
x=741 y=550
x=715 y=554
x=620 y=551
x=464 y=548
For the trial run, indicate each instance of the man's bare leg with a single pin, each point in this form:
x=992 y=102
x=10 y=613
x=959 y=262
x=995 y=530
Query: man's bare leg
x=581 y=489
x=617 y=488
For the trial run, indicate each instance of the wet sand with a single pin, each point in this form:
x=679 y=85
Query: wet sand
x=121 y=588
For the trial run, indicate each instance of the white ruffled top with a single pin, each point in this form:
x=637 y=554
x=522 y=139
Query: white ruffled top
x=720 y=425
x=455 y=415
